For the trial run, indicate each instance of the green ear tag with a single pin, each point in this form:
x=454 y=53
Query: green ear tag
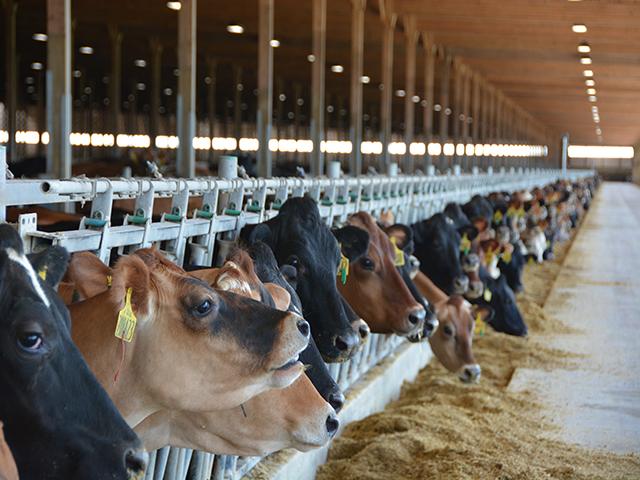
x=497 y=217
x=465 y=244
x=480 y=326
x=399 y=260
x=126 y=326
x=487 y=295
x=343 y=269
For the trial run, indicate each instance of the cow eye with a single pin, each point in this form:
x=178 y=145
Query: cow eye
x=293 y=261
x=367 y=263
x=448 y=331
x=30 y=341
x=203 y=308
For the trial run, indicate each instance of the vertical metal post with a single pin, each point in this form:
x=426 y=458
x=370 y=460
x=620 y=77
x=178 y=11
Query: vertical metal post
x=156 y=77
x=484 y=112
x=492 y=114
x=186 y=101
x=357 y=56
x=429 y=76
x=59 y=87
x=456 y=104
x=499 y=114
x=475 y=115
x=297 y=109
x=265 y=85
x=237 y=105
x=11 y=70
x=211 y=100
x=389 y=19
x=564 y=153
x=319 y=21
x=444 y=97
x=115 y=84
x=466 y=104
x=410 y=89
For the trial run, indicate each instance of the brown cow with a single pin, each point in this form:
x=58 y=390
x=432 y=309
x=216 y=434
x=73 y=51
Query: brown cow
x=194 y=348
x=8 y=469
x=452 y=341
x=374 y=287
x=293 y=417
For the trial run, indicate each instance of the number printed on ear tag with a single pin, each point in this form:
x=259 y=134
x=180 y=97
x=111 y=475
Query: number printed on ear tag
x=126 y=326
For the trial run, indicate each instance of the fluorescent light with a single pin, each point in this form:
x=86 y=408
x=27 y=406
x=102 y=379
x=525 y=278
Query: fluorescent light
x=584 y=48
x=365 y=79
x=40 y=37
x=592 y=151
x=592 y=98
x=415 y=99
x=86 y=50
x=236 y=29
x=460 y=149
x=141 y=86
x=174 y=5
x=337 y=68
x=591 y=91
x=36 y=66
x=449 y=149
x=586 y=61
x=579 y=28
x=311 y=58
x=588 y=73
x=274 y=43
x=139 y=62
x=167 y=91
x=590 y=82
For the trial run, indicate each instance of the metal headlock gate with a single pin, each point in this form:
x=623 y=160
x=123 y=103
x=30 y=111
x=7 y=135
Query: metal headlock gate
x=224 y=206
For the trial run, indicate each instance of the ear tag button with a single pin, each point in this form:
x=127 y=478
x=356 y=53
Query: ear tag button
x=497 y=217
x=399 y=260
x=126 y=326
x=480 y=326
x=506 y=257
x=465 y=244
x=343 y=269
x=42 y=273
x=487 y=295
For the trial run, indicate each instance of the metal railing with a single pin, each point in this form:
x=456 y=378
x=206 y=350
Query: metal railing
x=221 y=207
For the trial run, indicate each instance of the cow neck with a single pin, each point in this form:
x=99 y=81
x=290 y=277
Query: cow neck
x=93 y=326
x=429 y=289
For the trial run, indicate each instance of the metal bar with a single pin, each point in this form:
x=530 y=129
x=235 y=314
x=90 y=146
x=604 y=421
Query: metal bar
x=156 y=77
x=211 y=100
x=237 y=105
x=265 y=85
x=319 y=20
x=411 y=34
x=11 y=70
x=445 y=111
x=186 y=101
x=389 y=19
x=59 y=87
x=357 y=56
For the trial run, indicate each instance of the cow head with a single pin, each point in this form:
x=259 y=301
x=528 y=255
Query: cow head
x=300 y=239
x=59 y=422
x=193 y=349
x=507 y=317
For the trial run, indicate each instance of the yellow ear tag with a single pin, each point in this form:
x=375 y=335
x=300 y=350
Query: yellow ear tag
x=343 y=269
x=480 y=326
x=506 y=257
x=126 y=326
x=531 y=261
x=511 y=212
x=465 y=244
x=497 y=217
x=43 y=273
x=488 y=256
x=487 y=295
x=520 y=212
x=109 y=281
x=399 y=261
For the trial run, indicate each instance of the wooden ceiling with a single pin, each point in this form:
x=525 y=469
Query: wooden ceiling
x=525 y=48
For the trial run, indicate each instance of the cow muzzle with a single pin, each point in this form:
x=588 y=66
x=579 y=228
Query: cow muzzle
x=361 y=328
x=460 y=285
x=470 y=373
x=136 y=462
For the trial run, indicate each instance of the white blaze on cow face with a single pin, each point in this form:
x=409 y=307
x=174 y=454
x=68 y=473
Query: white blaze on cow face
x=21 y=260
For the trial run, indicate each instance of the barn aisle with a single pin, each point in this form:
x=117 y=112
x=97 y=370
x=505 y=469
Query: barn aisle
x=597 y=294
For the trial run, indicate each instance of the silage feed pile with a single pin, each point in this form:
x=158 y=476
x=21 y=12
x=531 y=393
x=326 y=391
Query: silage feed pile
x=443 y=429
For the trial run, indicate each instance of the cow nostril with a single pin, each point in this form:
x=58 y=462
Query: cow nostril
x=336 y=400
x=332 y=424
x=347 y=341
x=364 y=331
x=417 y=316
x=303 y=327
x=136 y=460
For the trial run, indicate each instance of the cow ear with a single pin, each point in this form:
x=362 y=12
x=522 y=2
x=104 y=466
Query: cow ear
x=207 y=275
x=480 y=223
x=469 y=230
x=403 y=235
x=50 y=264
x=485 y=312
x=354 y=241
x=490 y=245
x=88 y=274
x=260 y=232
x=280 y=296
x=131 y=273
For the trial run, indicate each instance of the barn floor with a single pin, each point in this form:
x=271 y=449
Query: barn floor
x=597 y=293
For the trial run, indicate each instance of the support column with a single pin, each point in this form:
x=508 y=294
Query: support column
x=59 y=87
x=319 y=21
x=11 y=82
x=444 y=97
x=156 y=88
x=265 y=85
x=456 y=104
x=297 y=109
x=499 y=116
x=211 y=100
x=186 y=101
x=115 y=85
x=475 y=115
x=466 y=104
x=357 y=56
x=237 y=105
x=410 y=89
x=484 y=125
x=429 y=76
x=492 y=115
x=389 y=19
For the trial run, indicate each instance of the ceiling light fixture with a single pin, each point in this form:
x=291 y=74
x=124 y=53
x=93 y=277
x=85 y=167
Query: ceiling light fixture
x=592 y=98
x=590 y=82
x=235 y=28
x=588 y=73
x=586 y=61
x=591 y=91
x=86 y=50
x=36 y=66
x=274 y=43
x=579 y=28
x=584 y=48
x=139 y=62
x=400 y=93
x=174 y=5
x=337 y=68
x=40 y=37
x=311 y=58
x=365 y=79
